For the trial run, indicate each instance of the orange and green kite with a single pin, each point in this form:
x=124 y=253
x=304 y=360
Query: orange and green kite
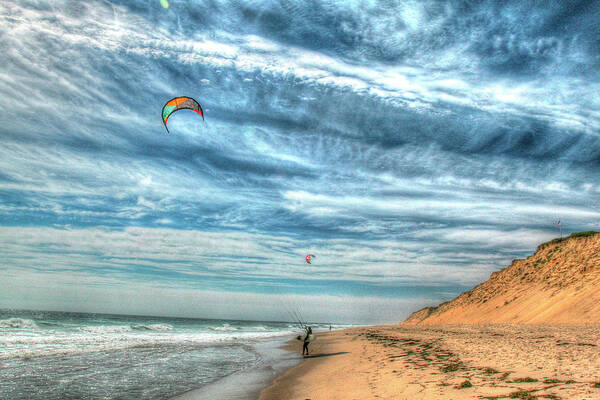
x=180 y=103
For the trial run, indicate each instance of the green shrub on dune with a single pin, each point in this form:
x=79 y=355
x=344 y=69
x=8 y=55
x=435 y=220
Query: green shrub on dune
x=571 y=236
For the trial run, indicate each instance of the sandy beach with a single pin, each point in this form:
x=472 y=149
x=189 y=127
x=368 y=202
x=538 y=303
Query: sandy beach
x=446 y=362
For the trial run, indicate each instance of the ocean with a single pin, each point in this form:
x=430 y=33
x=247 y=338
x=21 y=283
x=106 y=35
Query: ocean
x=63 y=355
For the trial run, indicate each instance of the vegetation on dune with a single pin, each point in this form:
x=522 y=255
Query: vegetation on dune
x=571 y=236
x=490 y=371
x=464 y=385
x=521 y=395
x=452 y=367
x=552 y=381
x=522 y=380
x=505 y=375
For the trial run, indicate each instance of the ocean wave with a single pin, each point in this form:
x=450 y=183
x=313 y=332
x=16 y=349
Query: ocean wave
x=46 y=323
x=17 y=323
x=110 y=338
x=224 y=328
x=153 y=327
x=258 y=328
x=105 y=329
x=125 y=328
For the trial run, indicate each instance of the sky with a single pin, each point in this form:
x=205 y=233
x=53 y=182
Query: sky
x=414 y=147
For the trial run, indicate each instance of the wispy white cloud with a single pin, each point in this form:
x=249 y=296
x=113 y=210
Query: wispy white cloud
x=449 y=208
x=108 y=30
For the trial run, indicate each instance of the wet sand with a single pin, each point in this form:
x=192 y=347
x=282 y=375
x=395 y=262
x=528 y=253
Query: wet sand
x=447 y=362
x=247 y=383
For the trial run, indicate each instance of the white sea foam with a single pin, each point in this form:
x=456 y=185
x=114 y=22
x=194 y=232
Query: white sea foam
x=224 y=328
x=87 y=339
x=17 y=323
x=154 y=327
x=105 y=329
x=53 y=334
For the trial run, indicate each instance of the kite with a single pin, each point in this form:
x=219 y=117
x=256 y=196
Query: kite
x=309 y=257
x=180 y=103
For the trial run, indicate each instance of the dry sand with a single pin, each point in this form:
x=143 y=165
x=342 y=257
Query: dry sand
x=432 y=362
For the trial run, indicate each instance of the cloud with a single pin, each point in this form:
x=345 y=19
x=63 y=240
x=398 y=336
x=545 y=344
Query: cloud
x=407 y=143
x=192 y=258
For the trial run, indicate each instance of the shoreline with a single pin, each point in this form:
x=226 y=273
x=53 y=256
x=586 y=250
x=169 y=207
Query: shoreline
x=446 y=361
x=247 y=383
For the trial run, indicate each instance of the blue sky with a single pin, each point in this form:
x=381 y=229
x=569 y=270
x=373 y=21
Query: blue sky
x=413 y=146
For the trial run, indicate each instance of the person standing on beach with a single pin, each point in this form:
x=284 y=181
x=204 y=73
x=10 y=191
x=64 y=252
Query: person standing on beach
x=307 y=339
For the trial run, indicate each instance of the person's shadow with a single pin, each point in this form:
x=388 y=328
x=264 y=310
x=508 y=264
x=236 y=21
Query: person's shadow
x=326 y=355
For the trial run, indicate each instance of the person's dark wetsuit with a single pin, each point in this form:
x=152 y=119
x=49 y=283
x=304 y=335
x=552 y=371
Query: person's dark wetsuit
x=307 y=340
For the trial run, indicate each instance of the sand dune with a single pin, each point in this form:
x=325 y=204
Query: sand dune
x=559 y=284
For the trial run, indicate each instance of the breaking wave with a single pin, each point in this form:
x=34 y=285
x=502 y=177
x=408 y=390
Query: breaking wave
x=17 y=323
